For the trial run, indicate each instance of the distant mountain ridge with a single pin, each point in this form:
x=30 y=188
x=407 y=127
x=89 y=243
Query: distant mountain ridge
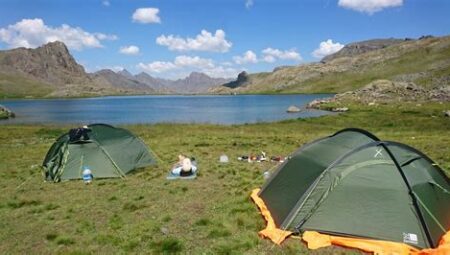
x=51 y=71
x=194 y=83
x=353 y=49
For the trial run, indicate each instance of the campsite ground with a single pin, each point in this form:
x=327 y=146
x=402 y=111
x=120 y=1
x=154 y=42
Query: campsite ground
x=147 y=214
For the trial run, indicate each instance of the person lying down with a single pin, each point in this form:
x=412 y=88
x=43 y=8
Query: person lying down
x=185 y=169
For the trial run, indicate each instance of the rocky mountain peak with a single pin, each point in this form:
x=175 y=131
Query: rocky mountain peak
x=125 y=73
x=50 y=63
x=56 y=46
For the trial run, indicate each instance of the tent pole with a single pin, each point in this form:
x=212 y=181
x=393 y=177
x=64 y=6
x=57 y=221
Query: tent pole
x=411 y=193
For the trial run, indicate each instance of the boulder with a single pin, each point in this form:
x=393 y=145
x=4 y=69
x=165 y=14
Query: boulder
x=5 y=113
x=293 y=108
x=340 y=109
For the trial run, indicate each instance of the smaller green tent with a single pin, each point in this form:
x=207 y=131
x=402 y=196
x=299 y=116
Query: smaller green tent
x=107 y=151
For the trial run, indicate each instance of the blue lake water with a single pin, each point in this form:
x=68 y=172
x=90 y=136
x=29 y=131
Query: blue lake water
x=237 y=109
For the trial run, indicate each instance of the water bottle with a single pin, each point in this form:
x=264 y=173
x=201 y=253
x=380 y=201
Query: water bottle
x=87 y=175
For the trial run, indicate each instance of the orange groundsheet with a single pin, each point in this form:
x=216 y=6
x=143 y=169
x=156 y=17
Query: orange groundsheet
x=316 y=240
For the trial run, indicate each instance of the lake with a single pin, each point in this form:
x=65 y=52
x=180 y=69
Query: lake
x=212 y=109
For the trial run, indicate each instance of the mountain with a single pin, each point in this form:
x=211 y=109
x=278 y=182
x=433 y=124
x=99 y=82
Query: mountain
x=122 y=80
x=424 y=61
x=51 y=71
x=124 y=72
x=195 y=83
x=155 y=83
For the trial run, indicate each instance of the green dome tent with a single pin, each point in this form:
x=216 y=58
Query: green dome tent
x=107 y=151
x=352 y=184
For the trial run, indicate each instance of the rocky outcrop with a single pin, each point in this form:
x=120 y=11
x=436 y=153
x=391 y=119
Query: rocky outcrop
x=5 y=113
x=240 y=81
x=382 y=92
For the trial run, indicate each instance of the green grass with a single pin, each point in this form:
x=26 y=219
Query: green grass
x=212 y=214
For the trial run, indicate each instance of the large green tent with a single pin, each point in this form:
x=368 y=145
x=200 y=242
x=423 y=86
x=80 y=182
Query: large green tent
x=107 y=151
x=352 y=184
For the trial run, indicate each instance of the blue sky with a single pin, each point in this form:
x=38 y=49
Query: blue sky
x=169 y=38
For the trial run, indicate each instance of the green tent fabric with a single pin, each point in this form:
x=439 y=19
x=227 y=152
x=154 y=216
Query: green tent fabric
x=108 y=152
x=353 y=184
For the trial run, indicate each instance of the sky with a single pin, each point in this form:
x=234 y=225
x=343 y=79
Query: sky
x=171 y=38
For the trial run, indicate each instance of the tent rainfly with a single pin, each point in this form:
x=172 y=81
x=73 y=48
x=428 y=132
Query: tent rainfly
x=107 y=151
x=351 y=184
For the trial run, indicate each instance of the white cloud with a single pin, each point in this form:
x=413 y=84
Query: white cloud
x=221 y=72
x=129 y=50
x=186 y=61
x=101 y=36
x=106 y=3
x=248 y=57
x=157 y=66
x=31 y=33
x=248 y=4
x=326 y=48
x=183 y=65
x=204 y=41
x=369 y=6
x=146 y=15
x=270 y=55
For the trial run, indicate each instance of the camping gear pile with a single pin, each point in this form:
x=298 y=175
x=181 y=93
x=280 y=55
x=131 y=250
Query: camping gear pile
x=354 y=190
x=253 y=158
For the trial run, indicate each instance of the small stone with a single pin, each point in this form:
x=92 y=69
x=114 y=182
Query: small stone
x=447 y=113
x=293 y=108
x=164 y=230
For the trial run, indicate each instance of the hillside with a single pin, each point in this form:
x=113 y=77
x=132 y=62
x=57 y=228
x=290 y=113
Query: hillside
x=425 y=62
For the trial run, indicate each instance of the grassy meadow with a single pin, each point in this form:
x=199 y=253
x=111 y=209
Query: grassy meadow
x=213 y=214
